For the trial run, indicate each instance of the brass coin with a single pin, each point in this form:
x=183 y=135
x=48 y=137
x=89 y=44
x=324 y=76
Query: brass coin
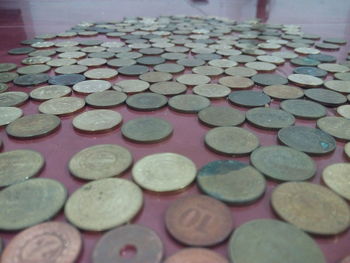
x=19 y=165
x=168 y=88
x=240 y=72
x=91 y=86
x=105 y=99
x=132 y=85
x=221 y=116
x=147 y=129
x=33 y=69
x=269 y=118
x=305 y=80
x=249 y=98
x=101 y=73
x=164 y=172
x=3 y=87
x=169 y=68
x=71 y=69
x=283 y=92
x=188 y=103
x=236 y=82
x=261 y=66
x=100 y=161
x=60 y=62
x=325 y=97
x=231 y=140
x=211 y=90
x=341 y=86
x=9 y=114
x=4 y=67
x=266 y=79
x=342 y=76
x=62 y=106
x=336 y=176
x=252 y=243
x=338 y=127
x=303 y=204
x=31 y=80
x=344 y=111
x=13 y=98
x=92 y=62
x=133 y=70
x=103 y=204
x=146 y=101
x=6 y=77
x=35 y=60
x=97 y=120
x=333 y=67
x=153 y=76
x=33 y=126
x=304 y=108
x=193 y=79
x=208 y=70
x=196 y=255
x=231 y=181
x=283 y=163
x=50 y=92
x=37 y=200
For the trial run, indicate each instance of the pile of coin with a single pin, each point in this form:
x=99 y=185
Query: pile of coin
x=224 y=72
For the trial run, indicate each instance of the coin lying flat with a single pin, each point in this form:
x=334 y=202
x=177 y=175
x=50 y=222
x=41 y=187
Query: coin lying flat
x=9 y=114
x=4 y=67
x=97 y=120
x=35 y=60
x=146 y=101
x=196 y=255
x=305 y=80
x=344 y=111
x=3 y=87
x=32 y=126
x=31 y=80
x=169 y=68
x=60 y=62
x=221 y=116
x=71 y=69
x=133 y=70
x=188 y=103
x=101 y=73
x=283 y=92
x=325 y=97
x=105 y=99
x=323 y=57
x=103 y=204
x=6 y=77
x=304 y=61
x=91 y=86
x=266 y=79
x=13 y=98
x=269 y=118
x=341 y=86
x=100 y=161
x=312 y=71
x=59 y=241
x=131 y=85
x=303 y=204
x=249 y=98
x=168 y=88
x=50 y=92
x=208 y=70
x=336 y=176
x=304 y=108
x=154 y=76
x=236 y=82
x=252 y=243
x=342 y=76
x=21 y=50
x=164 y=172
x=333 y=67
x=37 y=200
x=261 y=66
x=62 y=106
x=193 y=79
x=211 y=90
x=112 y=246
x=338 y=127
x=33 y=69
x=147 y=129
x=240 y=71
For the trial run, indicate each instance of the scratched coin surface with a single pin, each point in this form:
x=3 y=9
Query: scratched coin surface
x=188 y=103
x=100 y=161
x=336 y=176
x=91 y=86
x=9 y=114
x=338 y=127
x=304 y=204
x=199 y=220
x=196 y=255
x=105 y=99
x=50 y=241
x=50 y=92
x=304 y=108
x=221 y=116
x=269 y=118
x=62 y=106
x=164 y=172
x=97 y=120
x=103 y=204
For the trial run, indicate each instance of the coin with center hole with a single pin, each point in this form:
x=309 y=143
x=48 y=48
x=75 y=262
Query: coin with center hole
x=168 y=88
x=66 y=79
x=269 y=118
x=336 y=176
x=326 y=97
x=304 y=108
x=338 y=127
x=105 y=99
x=13 y=98
x=97 y=120
x=146 y=101
x=50 y=92
x=62 y=106
x=91 y=86
x=249 y=98
x=188 y=103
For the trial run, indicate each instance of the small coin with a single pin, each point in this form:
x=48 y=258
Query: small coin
x=188 y=103
x=92 y=62
x=4 y=67
x=6 y=77
x=33 y=69
x=333 y=67
x=169 y=68
x=33 y=126
x=335 y=40
x=103 y=204
x=336 y=177
x=323 y=57
x=147 y=129
x=13 y=98
x=269 y=118
x=9 y=114
x=190 y=62
x=168 y=88
x=61 y=241
x=97 y=120
x=305 y=80
x=307 y=139
x=91 y=86
x=62 y=106
x=60 y=62
x=105 y=99
x=221 y=116
x=133 y=70
x=100 y=161
x=312 y=71
x=306 y=50
x=50 y=92
x=236 y=82
x=196 y=255
x=3 y=87
x=211 y=90
x=193 y=79
x=338 y=127
x=198 y=220
x=36 y=200
x=327 y=46
x=240 y=72
x=164 y=172
x=290 y=244
x=113 y=245
x=130 y=55
x=304 y=108
x=341 y=86
x=325 y=97
x=153 y=76
x=31 y=80
x=71 y=69
x=131 y=85
x=35 y=60
x=42 y=53
x=173 y=56
x=208 y=70
x=303 y=204
x=249 y=98
x=304 y=61
x=21 y=50
x=101 y=73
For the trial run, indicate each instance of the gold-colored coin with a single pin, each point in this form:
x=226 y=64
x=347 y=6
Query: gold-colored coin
x=50 y=92
x=283 y=92
x=164 y=172
x=261 y=66
x=236 y=82
x=101 y=73
x=9 y=114
x=62 y=106
x=333 y=67
x=337 y=177
x=344 y=111
x=91 y=86
x=211 y=90
x=305 y=80
x=131 y=85
x=341 y=86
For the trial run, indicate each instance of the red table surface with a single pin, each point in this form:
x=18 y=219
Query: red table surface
x=21 y=20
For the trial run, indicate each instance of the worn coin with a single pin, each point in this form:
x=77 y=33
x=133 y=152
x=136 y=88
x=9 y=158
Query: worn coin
x=92 y=62
x=129 y=55
x=211 y=90
x=31 y=80
x=169 y=68
x=242 y=58
x=59 y=62
x=91 y=86
x=326 y=97
x=221 y=116
x=21 y=50
x=193 y=79
x=304 y=80
x=344 y=111
x=327 y=46
x=71 y=69
x=336 y=176
x=66 y=79
x=13 y=98
x=50 y=92
x=146 y=101
x=150 y=60
x=312 y=71
x=338 y=127
x=131 y=85
x=269 y=118
x=103 y=204
x=304 y=108
x=190 y=62
x=342 y=76
x=240 y=71
x=121 y=62
x=222 y=63
x=266 y=79
x=304 y=61
x=97 y=120
x=261 y=66
x=173 y=56
x=3 y=87
x=6 y=77
x=333 y=67
x=9 y=114
x=283 y=92
x=101 y=73
x=62 y=106
x=133 y=70
x=105 y=99
x=153 y=76
x=323 y=57
x=196 y=255
x=188 y=103
x=72 y=54
x=341 y=86
x=4 y=67
x=33 y=69
x=249 y=98
x=208 y=70
x=236 y=82
x=168 y=88
x=42 y=53
x=35 y=60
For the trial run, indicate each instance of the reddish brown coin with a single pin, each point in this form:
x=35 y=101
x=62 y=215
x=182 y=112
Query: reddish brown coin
x=196 y=255
x=43 y=243
x=129 y=244
x=199 y=220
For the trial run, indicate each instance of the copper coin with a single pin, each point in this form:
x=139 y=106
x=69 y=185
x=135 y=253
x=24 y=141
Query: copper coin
x=146 y=101
x=283 y=92
x=129 y=244
x=211 y=90
x=303 y=204
x=249 y=98
x=325 y=97
x=51 y=241
x=269 y=118
x=168 y=88
x=62 y=106
x=13 y=98
x=304 y=108
x=221 y=116
x=50 y=92
x=188 y=103
x=338 y=127
x=196 y=255
x=198 y=220
x=336 y=176
x=105 y=99
x=236 y=82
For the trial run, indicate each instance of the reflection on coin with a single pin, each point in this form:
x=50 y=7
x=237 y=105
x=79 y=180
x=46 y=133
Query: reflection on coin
x=164 y=172
x=91 y=86
x=240 y=71
x=271 y=59
x=168 y=88
x=269 y=118
x=71 y=69
x=146 y=101
x=208 y=70
x=283 y=163
x=9 y=114
x=13 y=98
x=242 y=58
x=7 y=67
x=326 y=97
x=103 y=204
x=304 y=108
x=336 y=176
x=37 y=200
x=50 y=92
x=6 y=77
x=252 y=243
x=303 y=204
x=193 y=79
x=153 y=76
x=211 y=90
x=305 y=80
x=249 y=98
x=221 y=116
x=198 y=220
x=62 y=106
x=57 y=240
x=188 y=103
x=133 y=70
x=132 y=85
x=101 y=73
x=338 y=85
x=35 y=60
x=338 y=127
x=196 y=255
x=100 y=161
x=283 y=92
x=105 y=99
x=97 y=120
x=266 y=79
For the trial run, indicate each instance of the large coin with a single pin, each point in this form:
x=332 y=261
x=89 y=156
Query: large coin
x=188 y=103
x=146 y=101
x=208 y=70
x=91 y=86
x=71 y=69
x=105 y=99
x=269 y=118
x=336 y=176
x=13 y=98
x=311 y=207
x=304 y=108
x=100 y=161
x=164 y=172
x=62 y=106
x=341 y=86
x=326 y=97
x=4 y=67
x=338 y=127
x=103 y=204
x=240 y=71
x=169 y=68
x=9 y=114
x=221 y=116
x=306 y=81
x=50 y=92
x=249 y=98
x=196 y=255
x=35 y=201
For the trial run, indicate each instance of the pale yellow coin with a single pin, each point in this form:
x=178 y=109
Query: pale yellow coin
x=305 y=80
x=241 y=72
x=92 y=62
x=50 y=92
x=97 y=120
x=222 y=63
x=306 y=50
x=333 y=67
x=212 y=90
x=271 y=59
x=341 y=86
x=164 y=172
x=344 y=111
x=59 y=62
x=193 y=79
x=337 y=177
x=101 y=73
x=91 y=86
x=261 y=66
x=62 y=106
x=236 y=82
x=131 y=86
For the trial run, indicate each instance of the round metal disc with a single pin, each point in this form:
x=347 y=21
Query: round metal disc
x=304 y=80
x=208 y=70
x=97 y=120
x=312 y=71
x=269 y=118
x=211 y=90
x=193 y=79
x=131 y=85
x=105 y=99
x=338 y=127
x=66 y=79
x=62 y=106
x=13 y=98
x=188 y=103
x=146 y=101
x=240 y=71
x=31 y=80
x=133 y=70
x=236 y=82
x=336 y=176
x=91 y=86
x=50 y=92
x=249 y=98
x=326 y=97
x=269 y=79
x=169 y=68
x=341 y=86
x=9 y=114
x=221 y=116
x=154 y=76
x=168 y=88
x=196 y=255
x=283 y=92
x=304 y=108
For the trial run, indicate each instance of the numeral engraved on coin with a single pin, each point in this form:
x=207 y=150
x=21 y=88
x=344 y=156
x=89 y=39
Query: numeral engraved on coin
x=196 y=219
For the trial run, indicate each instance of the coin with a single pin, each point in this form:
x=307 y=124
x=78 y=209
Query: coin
x=35 y=60
x=31 y=80
x=208 y=70
x=131 y=85
x=252 y=243
x=303 y=204
x=6 y=77
x=304 y=61
x=306 y=50
x=33 y=69
x=221 y=116
x=269 y=118
x=222 y=63
x=50 y=92
x=91 y=86
x=33 y=126
x=151 y=51
x=100 y=161
x=307 y=139
x=261 y=66
x=150 y=60
x=333 y=67
x=101 y=73
x=66 y=79
x=173 y=56
x=4 y=67
x=153 y=76
x=283 y=92
x=121 y=62
x=304 y=108
x=92 y=62
x=105 y=99
x=72 y=54
x=9 y=114
x=130 y=55
x=3 y=87
x=146 y=101
x=341 y=86
x=42 y=53
x=338 y=127
x=344 y=111
x=168 y=88
x=240 y=71
x=59 y=62
x=325 y=97
x=62 y=106
x=97 y=120
x=336 y=177
x=169 y=68
x=198 y=220
x=327 y=46
x=335 y=40
x=323 y=57
x=242 y=58
x=21 y=50
x=196 y=255
x=71 y=69
x=133 y=70
x=193 y=79
x=211 y=90
x=36 y=200
x=249 y=98
x=305 y=80
x=312 y=71
x=56 y=241
x=103 y=204
x=13 y=98
x=190 y=62
x=188 y=103
x=114 y=245
x=236 y=82
x=342 y=76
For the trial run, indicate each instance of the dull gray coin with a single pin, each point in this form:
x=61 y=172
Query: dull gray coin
x=249 y=98
x=188 y=103
x=168 y=88
x=105 y=99
x=13 y=98
x=221 y=116
x=338 y=127
x=9 y=114
x=269 y=118
x=326 y=97
x=146 y=101
x=304 y=108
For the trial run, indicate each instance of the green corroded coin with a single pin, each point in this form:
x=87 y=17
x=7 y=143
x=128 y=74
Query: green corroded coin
x=304 y=108
x=221 y=116
x=269 y=118
x=304 y=61
x=338 y=127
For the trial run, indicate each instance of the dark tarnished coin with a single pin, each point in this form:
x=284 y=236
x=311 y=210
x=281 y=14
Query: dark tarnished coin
x=190 y=62
x=249 y=98
x=198 y=220
x=146 y=101
x=150 y=60
x=91 y=86
x=221 y=116
x=114 y=245
x=324 y=58
x=4 y=67
x=304 y=108
x=304 y=61
x=253 y=242
x=105 y=99
x=283 y=92
x=196 y=255
x=55 y=241
x=31 y=80
x=97 y=120
x=304 y=204
x=153 y=76
x=313 y=71
x=338 y=127
x=13 y=98
x=100 y=161
x=336 y=176
x=306 y=81
x=32 y=126
x=307 y=139
x=169 y=68
x=36 y=200
x=231 y=181
x=188 y=103
x=21 y=50
x=35 y=60
x=168 y=88
x=9 y=114
x=50 y=92
x=147 y=129
x=269 y=118
x=326 y=97
x=61 y=106
x=6 y=77
x=3 y=87
x=231 y=140
x=333 y=67
x=283 y=163
x=269 y=79
x=133 y=70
